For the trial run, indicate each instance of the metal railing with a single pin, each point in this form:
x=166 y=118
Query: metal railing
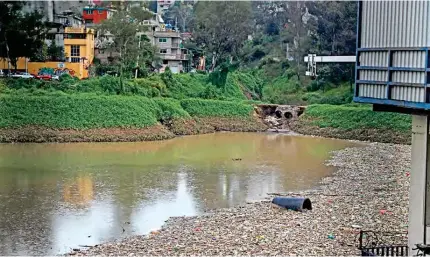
x=175 y=56
x=375 y=243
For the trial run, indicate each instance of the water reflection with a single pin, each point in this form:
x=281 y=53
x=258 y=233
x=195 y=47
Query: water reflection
x=79 y=191
x=54 y=197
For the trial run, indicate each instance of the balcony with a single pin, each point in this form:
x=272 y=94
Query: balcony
x=175 y=57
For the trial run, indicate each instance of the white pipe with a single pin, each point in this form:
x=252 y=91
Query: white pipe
x=350 y=58
x=419 y=173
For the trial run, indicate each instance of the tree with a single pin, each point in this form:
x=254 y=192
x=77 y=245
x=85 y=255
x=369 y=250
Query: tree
x=183 y=13
x=222 y=28
x=21 y=35
x=298 y=28
x=334 y=37
x=41 y=54
x=54 y=52
x=125 y=25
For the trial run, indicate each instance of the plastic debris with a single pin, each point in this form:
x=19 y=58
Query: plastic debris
x=358 y=171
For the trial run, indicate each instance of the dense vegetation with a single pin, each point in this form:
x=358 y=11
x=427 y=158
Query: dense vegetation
x=238 y=86
x=355 y=121
x=356 y=117
x=83 y=111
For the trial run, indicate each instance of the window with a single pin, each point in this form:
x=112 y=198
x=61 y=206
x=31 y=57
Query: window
x=100 y=11
x=89 y=11
x=163 y=51
x=50 y=36
x=88 y=21
x=75 y=50
x=162 y=40
x=76 y=36
x=75 y=59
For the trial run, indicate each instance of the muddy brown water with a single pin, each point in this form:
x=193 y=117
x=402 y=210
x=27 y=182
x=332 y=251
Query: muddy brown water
x=55 y=197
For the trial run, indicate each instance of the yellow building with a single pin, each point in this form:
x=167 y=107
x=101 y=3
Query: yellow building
x=79 y=45
x=79 y=52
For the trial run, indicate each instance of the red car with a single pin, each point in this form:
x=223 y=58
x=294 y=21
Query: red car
x=43 y=76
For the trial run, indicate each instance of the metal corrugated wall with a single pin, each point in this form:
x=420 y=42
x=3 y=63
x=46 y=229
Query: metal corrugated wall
x=387 y=67
x=411 y=59
x=376 y=91
x=395 y=24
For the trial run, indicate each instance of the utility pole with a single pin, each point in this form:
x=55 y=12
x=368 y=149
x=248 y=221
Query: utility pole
x=137 y=62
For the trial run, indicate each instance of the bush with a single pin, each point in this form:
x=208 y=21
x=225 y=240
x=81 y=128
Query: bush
x=216 y=108
x=170 y=109
x=77 y=111
x=346 y=117
x=337 y=96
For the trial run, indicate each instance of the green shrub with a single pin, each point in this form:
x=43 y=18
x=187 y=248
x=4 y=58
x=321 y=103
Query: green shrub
x=347 y=117
x=336 y=96
x=216 y=108
x=169 y=109
x=76 y=111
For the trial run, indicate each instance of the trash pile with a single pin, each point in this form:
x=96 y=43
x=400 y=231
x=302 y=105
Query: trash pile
x=368 y=191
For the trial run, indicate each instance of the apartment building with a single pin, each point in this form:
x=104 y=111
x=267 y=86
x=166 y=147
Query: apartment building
x=171 y=51
x=95 y=15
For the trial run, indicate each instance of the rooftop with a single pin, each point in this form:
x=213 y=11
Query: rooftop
x=167 y=34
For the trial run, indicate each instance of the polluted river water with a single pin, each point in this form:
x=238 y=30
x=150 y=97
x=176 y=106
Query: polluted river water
x=56 y=197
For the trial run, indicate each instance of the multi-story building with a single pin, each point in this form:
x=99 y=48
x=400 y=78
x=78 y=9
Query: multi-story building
x=79 y=51
x=56 y=28
x=79 y=45
x=171 y=51
x=95 y=15
x=168 y=43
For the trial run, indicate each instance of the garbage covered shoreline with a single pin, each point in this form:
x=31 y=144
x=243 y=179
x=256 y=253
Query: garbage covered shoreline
x=368 y=191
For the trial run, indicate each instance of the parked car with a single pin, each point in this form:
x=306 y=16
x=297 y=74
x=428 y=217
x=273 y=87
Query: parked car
x=55 y=77
x=44 y=76
x=22 y=75
x=2 y=74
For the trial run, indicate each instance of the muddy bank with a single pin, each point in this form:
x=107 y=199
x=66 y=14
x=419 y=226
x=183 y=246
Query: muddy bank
x=368 y=191
x=170 y=129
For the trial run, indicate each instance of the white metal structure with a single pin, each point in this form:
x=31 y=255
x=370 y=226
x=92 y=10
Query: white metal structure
x=313 y=59
x=393 y=74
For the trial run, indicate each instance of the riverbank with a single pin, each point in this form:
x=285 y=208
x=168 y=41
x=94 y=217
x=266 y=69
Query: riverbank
x=98 y=118
x=353 y=122
x=177 y=127
x=368 y=191
x=88 y=117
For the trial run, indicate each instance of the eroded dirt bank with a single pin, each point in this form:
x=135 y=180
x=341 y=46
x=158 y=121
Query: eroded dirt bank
x=37 y=134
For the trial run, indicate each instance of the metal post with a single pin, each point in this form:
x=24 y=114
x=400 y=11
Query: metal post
x=419 y=171
x=137 y=62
